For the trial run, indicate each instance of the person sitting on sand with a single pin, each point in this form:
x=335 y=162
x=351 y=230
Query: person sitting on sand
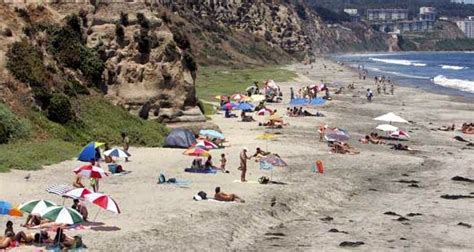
x=220 y=196
x=18 y=237
x=82 y=209
x=62 y=240
x=208 y=164
x=42 y=238
x=467 y=128
x=374 y=138
x=246 y=118
x=365 y=140
x=228 y=114
x=343 y=148
x=33 y=220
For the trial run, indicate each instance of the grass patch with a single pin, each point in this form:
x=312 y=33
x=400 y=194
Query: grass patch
x=97 y=120
x=214 y=81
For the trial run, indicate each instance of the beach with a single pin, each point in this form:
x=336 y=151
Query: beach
x=353 y=196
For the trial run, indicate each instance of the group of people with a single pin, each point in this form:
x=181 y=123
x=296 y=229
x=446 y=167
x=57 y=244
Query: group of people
x=466 y=128
x=309 y=92
x=61 y=241
x=372 y=138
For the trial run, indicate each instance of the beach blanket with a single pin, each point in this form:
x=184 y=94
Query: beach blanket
x=212 y=171
x=59 y=189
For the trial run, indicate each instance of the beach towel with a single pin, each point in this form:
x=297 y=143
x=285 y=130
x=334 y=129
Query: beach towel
x=211 y=171
x=59 y=189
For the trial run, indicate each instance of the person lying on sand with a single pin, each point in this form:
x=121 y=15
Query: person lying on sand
x=467 y=128
x=220 y=196
x=402 y=147
x=343 y=148
x=5 y=242
x=447 y=128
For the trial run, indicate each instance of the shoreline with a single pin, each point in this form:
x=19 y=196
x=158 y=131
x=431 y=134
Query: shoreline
x=355 y=190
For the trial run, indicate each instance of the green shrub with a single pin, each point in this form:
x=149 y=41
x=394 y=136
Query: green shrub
x=25 y=62
x=74 y=22
x=60 y=109
x=180 y=38
x=11 y=126
x=143 y=21
x=73 y=88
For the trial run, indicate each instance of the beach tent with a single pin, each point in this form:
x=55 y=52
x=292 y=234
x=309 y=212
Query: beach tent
x=180 y=138
x=390 y=117
x=386 y=128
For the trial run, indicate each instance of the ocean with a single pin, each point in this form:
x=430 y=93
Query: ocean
x=441 y=72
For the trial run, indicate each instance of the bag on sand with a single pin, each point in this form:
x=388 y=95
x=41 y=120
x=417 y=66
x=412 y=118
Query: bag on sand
x=202 y=194
x=263 y=180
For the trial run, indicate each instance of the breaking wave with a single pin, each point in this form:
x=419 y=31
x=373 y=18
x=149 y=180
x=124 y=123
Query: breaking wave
x=453 y=67
x=399 y=62
x=464 y=85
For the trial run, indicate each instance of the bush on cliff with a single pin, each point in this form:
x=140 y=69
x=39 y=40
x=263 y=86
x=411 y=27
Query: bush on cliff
x=11 y=126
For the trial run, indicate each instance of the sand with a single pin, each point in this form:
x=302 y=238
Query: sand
x=355 y=191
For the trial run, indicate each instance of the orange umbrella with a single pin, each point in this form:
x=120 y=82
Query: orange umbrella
x=15 y=212
x=196 y=152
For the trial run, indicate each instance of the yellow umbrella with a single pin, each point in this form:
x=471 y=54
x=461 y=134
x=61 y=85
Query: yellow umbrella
x=257 y=98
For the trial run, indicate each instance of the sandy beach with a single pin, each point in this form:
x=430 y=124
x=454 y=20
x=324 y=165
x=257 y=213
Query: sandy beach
x=352 y=197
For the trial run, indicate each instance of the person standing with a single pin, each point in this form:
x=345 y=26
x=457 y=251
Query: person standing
x=379 y=89
x=392 y=89
x=369 y=95
x=243 y=164
x=292 y=94
x=126 y=144
x=376 y=80
x=384 y=89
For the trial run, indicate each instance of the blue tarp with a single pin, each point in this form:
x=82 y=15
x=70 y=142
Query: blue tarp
x=180 y=138
x=312 y=102
x=245 y=106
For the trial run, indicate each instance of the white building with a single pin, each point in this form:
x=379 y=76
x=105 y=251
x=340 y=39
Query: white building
x=463 y=1
x=467 y=26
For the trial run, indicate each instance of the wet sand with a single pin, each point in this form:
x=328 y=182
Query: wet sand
x=384 y=198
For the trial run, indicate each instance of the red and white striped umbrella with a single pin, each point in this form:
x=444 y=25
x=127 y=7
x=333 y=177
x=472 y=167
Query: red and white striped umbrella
x=238 y=97
x=206 y=144
x=90 y=171
x=78 y=193
x=264 y=111
x=399 y=134
x=103 y=201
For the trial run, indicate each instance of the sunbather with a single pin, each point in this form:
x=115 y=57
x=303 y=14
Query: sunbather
x=5 y=242
x=467 y=128
x=402 y=147
x=343 y=148
x=220 y=196
x=209 y=164
x=33 y=220
x=246 y=118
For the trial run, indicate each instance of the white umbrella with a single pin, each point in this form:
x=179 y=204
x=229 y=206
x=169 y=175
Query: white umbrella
x=116 y=152
x=387 y=127
x=390 y=117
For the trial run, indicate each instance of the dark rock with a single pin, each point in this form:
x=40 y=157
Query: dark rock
x=275 y=234
x=351 y=244
x=328 y=218
x=414 y=185
x=373 y=189
x=414 y=214
x=391 y=213
x=408 y=181
x=401 y=218
x=403 y=238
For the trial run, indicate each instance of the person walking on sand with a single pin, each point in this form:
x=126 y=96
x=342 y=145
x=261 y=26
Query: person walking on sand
x=384 y=89
x=321 y=132
x=223 y=163
x=379 y=89
x=243 y=164
x=392 y=89
x=126 y=144
x=369 y=95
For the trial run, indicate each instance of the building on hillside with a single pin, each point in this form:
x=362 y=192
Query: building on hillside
x=427 y=13
x=467 y=26
x=354 y=14
x=463 y=1
x=387 y=14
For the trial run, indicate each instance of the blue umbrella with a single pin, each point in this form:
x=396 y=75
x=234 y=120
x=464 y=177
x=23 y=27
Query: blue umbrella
x=211 y=134
x=5 y=207
x=88 y=152
x=245 y=106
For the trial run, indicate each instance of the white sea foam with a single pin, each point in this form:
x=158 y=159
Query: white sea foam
x=399 y=62
x=398 y=74
x=464 y=85
x=453 y=67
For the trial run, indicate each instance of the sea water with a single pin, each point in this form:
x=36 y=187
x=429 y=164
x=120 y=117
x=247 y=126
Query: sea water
x=441 y=72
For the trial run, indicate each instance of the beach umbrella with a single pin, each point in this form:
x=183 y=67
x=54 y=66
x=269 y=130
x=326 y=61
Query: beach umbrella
x=88 y=152
x=62 y=215
x=399 y=134
x=229 y=106
x=238 y=97
x=116 y=152
x=104 y=201
x=90 y=171
x=35 y=206
x=274 y=160
x=198 y=152
x=387 y=128
x=264 y=111
x=78 y=193
x=59 y=189
x=5 y=207
x=206 y=144
x=257 y=98
x=337 y=135
x=245 y=106
x=390 y=117
x=265 y=166
x=211 y=134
